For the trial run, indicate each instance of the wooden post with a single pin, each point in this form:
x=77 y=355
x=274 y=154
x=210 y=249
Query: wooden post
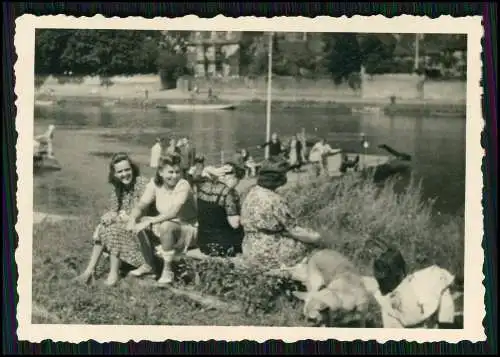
x=417 y=38
x=269 y=78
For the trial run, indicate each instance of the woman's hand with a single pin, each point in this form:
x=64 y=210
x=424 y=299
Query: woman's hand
x=123 y=217
x=108 y=218
x=145 y=223
x=131 y=225
x=307 y=236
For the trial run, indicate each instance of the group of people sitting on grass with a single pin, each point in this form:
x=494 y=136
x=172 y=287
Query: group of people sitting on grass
x=167 y=215
x=171 y=213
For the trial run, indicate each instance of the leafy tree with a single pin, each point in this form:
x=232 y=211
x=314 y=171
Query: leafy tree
x=96 y=52
x=172 y=57
x=344 y=55
x=376 y=52
x=49 y=44
x=252 y=53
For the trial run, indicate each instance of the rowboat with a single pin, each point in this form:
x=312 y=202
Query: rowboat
x=442 y=113
x=44 y=103
x=196 y=107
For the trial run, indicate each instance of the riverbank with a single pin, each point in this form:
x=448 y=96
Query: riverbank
x=341 y=104
x=344 y=211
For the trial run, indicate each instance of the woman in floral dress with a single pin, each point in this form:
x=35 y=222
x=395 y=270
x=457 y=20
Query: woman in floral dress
x=272 y=237
x=111 y=234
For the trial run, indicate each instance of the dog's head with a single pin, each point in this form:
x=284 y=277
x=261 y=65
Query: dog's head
x=317 y=303
x=298 y=272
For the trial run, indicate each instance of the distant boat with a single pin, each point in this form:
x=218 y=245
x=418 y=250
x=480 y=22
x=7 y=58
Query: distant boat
x=201 y=107
x=44 y=103
x=442 y=113
x=366 y=110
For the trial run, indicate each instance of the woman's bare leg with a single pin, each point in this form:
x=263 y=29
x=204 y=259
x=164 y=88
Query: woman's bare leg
x=114 y=263
x=169 y=232
x=94 y=260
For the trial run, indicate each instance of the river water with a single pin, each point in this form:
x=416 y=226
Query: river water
x=437 y=144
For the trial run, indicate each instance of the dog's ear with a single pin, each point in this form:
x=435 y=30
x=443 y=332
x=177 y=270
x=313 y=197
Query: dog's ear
x=300 y=295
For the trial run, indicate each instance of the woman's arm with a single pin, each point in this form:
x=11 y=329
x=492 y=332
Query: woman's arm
x=146 y=199
x=303 y=235
x=232 y=207
x=286 y=218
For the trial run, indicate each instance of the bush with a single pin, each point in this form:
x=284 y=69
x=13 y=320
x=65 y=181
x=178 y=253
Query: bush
x=350 y=210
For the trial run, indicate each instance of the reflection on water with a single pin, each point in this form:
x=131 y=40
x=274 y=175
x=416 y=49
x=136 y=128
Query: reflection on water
x=437 y=145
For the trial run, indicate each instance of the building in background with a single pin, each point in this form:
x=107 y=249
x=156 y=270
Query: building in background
x=214 y=53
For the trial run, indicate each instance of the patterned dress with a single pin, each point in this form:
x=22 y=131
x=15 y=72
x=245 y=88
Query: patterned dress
x=114 y=237
x=265 y=217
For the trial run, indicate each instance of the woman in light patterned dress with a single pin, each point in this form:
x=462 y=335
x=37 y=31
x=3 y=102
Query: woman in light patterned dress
x=272 y=237
x=111 y=234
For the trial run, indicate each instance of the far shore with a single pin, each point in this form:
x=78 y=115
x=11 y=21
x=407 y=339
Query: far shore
x=111 y=97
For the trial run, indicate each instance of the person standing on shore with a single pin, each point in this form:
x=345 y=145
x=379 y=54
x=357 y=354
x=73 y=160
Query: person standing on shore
x=303 y=147
x=275 y=146
x=172 y=148
x=319 y=156
x=156 y=153
x=295 y=154
x=188 y=154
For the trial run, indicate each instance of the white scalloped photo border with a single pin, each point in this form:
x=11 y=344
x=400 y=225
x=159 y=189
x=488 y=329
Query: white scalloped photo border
x=474 y=308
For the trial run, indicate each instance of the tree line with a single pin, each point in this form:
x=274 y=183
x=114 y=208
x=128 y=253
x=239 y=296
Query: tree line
x=106 y=53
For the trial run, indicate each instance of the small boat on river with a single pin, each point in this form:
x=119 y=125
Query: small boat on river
x=196 y=107
x=44 y=103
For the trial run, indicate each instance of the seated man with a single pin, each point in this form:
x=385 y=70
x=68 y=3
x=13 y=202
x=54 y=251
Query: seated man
x=219 y=229
x=175 y=224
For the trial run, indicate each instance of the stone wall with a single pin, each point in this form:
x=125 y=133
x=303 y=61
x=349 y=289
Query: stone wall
x=401 y=86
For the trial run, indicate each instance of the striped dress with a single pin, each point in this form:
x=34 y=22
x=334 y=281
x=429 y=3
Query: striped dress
x=114 y=237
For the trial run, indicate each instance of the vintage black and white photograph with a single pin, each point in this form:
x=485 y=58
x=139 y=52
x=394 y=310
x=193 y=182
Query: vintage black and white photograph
x=262 y=177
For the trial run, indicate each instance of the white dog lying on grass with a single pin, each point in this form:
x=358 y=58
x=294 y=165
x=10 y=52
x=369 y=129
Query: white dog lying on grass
x=334 y=286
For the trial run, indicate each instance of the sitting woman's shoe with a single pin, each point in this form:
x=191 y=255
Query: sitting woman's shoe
x=85 y=278
x=142 y=270
x=167 y=277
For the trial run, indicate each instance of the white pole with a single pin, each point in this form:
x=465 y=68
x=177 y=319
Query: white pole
x=416 y=50
x=269 y=77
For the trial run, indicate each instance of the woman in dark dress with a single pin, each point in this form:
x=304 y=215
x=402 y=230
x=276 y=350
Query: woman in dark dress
x=219 y=229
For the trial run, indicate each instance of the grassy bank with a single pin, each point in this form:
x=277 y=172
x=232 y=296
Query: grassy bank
x=345 y=211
